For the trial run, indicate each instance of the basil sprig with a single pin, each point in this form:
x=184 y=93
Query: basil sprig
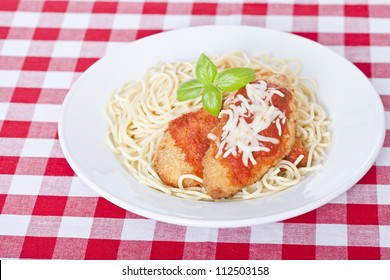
x=209 y=83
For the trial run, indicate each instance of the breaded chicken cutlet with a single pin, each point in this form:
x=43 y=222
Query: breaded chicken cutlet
x=255 y=132
x=186 y=149
x=183 y=146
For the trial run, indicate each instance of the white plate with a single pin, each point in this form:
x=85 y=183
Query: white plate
x=353 y=105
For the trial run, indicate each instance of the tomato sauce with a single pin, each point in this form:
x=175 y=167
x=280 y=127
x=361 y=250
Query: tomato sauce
x=238 y=172
x=190 y=134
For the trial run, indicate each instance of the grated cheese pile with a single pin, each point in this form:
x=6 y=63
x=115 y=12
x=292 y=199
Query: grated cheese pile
x=247 y=118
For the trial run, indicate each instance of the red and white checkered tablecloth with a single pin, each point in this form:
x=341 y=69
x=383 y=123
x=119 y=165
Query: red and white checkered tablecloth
x=47 y=212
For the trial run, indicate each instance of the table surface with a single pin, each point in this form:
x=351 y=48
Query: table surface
x=47 y=212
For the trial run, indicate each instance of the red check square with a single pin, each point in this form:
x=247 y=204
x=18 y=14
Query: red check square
x=155 y=8
x=84 y=63
x=105 y=209
x=50 y=205
x=102 y=249
x=353 y=39
x=204 y=9
x=97 y=35
x=2 y=201
x=3 y=32
x=36 y=63
x=167 y=250
x=58 y=167
x=18 y=129
x=232 y=251
x=356 y=10
x=104 y=7
x=25 y=95
x=8 y=164
x=363 y=253
x=305 y=10
x=55 y=6
x=38 y=247
x=362 y=214
x=46 y=34
x=298 y=252
x=254 y=8
x=9 y=5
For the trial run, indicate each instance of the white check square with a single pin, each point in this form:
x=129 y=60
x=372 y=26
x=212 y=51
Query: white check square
x=37 y=147
x=384 y=155
x=79 y=188
x=267 y=233
x=59 y=80
x=138 y=229
x=15 y=225
x=331 y=24
x=383 y=193
x=284 y=23
x=201 y=234
x=25 y=19
x=384 y=236
x=75 y=227
x=67 y=49
x=382 y=85
x=176 y=21
x=9 y=78
x=126 y=21
x=15 y=47
x=387 y=121
x=380 y=54
x=379 y=25
x=73 y=20
x=3 y=110
x=228 y=19
x=46 y=113
x=331 y=235
x=25 y=184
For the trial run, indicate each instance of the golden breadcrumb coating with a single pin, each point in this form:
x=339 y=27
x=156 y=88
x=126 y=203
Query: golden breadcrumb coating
x=224 y=177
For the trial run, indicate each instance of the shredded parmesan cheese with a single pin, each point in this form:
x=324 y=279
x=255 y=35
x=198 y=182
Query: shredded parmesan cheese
x=242 y=137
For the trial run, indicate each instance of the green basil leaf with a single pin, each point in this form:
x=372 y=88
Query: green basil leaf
x=189 y=90
x=205 y=70
x=234 y=78
x=212 y=99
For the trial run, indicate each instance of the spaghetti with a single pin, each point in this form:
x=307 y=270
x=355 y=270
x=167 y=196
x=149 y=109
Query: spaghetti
x=139 y=113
